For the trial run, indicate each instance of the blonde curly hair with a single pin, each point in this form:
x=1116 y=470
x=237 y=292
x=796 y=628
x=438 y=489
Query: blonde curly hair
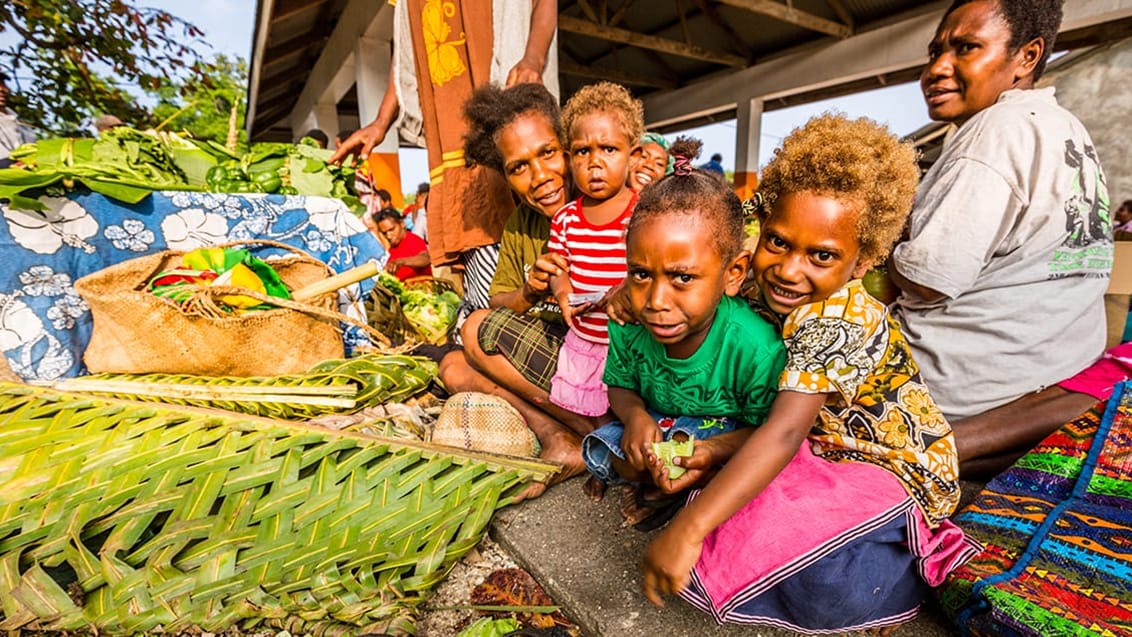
x=606 y=97
x=857 y=162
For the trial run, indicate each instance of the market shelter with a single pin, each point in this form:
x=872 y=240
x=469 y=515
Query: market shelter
x=325 y=63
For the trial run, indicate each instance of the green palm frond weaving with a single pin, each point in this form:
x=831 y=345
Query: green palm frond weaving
x=119 y=517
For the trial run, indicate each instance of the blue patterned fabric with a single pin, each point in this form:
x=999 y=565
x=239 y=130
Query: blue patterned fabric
x=44 y=324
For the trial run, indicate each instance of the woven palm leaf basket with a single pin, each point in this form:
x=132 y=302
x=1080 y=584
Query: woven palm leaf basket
x=121 y=518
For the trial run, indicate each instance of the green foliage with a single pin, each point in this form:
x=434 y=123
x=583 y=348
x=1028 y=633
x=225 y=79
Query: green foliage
x=203 y=109
x=71 y=59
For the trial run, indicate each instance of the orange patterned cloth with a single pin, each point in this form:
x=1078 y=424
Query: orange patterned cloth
x=878 y=410
x=452 y=48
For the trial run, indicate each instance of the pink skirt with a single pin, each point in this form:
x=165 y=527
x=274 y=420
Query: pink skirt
x=576 y=384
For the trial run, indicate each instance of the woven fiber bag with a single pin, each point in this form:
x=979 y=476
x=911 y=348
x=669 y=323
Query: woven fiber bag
x=482 y=422
x=138 y=332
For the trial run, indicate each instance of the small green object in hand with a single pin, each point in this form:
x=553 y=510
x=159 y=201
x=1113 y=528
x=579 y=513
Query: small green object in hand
x=670 y=449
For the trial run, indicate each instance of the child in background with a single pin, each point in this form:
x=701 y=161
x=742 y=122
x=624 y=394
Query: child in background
x=700 y=363
x=833 y=515
x=653 y=163
x=603 y=124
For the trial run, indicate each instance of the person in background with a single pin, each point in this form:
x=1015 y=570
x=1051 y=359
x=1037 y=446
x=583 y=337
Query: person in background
x=1122 y=220
x=318 y=136
x=342 y=136
x=506 y=42
x=1009 y=245
x=105 y=122
x=13 y=133
x=383 y=199
x=408 y=253
x=420 y=212
x=653 y=163
x=715 y=165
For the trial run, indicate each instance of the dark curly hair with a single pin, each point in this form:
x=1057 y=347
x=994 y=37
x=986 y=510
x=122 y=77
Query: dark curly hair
x=492 y=108
x=1028 y=20
x=606 y=97
x=694 y=193
x=857 y=162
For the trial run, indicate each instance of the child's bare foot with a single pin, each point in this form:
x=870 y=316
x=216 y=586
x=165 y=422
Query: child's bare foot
x=884 y=631
x=594 y=488
x=564 y=449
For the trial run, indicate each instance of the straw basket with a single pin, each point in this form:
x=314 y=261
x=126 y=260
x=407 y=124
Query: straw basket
x=119 y=517
x=385 y=314
x=138 y=332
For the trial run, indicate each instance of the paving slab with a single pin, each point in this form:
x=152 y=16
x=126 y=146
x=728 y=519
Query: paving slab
x=587 y=560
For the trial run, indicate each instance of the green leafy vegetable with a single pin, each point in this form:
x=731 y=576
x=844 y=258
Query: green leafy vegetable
x=127 y=164
x=671 y=449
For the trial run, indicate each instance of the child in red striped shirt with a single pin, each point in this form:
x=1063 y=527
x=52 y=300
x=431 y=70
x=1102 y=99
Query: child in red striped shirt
x=603 y=124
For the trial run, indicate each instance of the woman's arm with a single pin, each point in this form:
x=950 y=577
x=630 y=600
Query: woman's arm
x=669 y=558
x=544 y=21
x=922 y=291
x=535 y=288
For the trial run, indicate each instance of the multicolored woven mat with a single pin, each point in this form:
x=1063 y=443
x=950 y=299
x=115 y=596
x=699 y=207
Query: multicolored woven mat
x=1057 y=531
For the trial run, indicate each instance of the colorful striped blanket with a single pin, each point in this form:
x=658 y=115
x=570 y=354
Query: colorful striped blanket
x=1057 y=532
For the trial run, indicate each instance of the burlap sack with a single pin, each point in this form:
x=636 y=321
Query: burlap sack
x=482 y=422
x=138 y=332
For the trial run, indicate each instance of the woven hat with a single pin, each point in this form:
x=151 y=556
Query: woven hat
x=482 y=422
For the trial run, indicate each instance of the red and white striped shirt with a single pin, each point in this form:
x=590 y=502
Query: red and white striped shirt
x=596 y=255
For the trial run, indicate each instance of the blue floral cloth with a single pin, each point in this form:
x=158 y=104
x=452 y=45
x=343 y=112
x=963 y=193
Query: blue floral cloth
x=44 y=324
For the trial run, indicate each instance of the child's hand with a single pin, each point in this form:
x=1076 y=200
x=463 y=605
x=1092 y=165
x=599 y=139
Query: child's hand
x=537 y=286
x=616 y=304
x=701 y=466
x=637 y=441
x=570 y=311
x=667 y=565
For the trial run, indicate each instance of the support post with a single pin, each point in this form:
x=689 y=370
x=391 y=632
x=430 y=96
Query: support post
x=748 y=131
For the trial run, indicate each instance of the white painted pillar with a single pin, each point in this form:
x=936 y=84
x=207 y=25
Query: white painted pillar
x=749 y=119
x=373 y=64
x=373 y=59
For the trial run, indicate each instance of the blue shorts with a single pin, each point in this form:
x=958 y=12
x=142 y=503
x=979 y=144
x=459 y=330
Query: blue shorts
x=599 y=446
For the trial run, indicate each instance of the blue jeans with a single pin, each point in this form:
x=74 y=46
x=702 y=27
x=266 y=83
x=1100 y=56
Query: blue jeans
x=599 y=446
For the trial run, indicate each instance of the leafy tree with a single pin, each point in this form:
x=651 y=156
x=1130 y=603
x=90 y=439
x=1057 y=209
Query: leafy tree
x=204 y=109
x=71 y=48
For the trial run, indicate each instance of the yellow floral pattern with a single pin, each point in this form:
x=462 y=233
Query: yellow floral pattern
x=444 y=56
x=878 y=409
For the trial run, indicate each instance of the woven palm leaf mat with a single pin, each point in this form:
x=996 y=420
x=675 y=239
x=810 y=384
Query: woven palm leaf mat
x=120 y=517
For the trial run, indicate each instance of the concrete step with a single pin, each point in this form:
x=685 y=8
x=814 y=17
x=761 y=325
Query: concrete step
x=587 y=560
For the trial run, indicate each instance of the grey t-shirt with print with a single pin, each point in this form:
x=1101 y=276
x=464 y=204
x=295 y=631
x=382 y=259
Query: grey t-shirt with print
x=1012 y=225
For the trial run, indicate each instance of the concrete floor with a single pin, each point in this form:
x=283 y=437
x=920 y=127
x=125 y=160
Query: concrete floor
x=586 y=559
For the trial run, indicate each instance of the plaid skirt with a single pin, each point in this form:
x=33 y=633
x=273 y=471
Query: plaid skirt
x=529 y=343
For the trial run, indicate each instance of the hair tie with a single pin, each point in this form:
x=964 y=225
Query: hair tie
x=755 y=206
x=683 y=166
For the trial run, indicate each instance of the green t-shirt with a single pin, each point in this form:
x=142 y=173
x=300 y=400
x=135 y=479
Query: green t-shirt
x=524 y=239
x=733 y=374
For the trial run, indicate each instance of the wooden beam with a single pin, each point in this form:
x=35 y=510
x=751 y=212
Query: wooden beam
x=716 y=19
x=793 y=16
x=284 y=9
x=620 y=13
x=842 y=13
x=621 y=77
x=663 y=45
x=588 y=10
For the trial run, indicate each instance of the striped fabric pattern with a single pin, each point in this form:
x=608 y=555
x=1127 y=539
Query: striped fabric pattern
x=1056 y=528
x=596 y=255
